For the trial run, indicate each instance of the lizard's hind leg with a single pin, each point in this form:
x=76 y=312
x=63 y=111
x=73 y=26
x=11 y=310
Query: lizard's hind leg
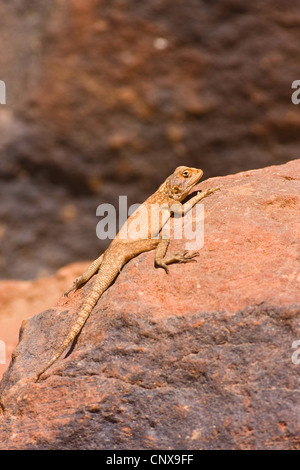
x=91 y=270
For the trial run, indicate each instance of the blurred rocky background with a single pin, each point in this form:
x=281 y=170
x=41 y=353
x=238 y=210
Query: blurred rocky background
x=106 y=97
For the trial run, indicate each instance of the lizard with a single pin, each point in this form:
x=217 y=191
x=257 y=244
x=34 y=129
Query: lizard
x=125 y=246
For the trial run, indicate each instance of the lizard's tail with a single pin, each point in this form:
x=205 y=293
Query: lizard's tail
x=100 y=285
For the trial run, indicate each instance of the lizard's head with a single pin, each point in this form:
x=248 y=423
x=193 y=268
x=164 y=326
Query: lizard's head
x=179 y=184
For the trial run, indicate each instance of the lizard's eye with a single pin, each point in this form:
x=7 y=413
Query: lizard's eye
x=186 y=174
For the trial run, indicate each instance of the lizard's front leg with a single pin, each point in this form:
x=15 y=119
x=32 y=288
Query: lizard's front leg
x=180 y=209
x=189 y=204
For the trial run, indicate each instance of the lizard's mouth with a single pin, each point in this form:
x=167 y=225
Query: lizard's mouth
x=190 y=189
x=193 y=183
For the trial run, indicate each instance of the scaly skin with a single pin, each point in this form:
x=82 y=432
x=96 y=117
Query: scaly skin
x=127 y=245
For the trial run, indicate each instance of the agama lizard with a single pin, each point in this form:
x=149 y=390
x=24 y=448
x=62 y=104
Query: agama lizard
x=125 y=246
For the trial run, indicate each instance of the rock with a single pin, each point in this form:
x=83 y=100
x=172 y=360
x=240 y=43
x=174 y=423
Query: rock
x=19 y=300
x=202 y=358
x=92 y=114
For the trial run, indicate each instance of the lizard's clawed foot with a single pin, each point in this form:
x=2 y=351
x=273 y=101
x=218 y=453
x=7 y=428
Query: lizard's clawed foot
x=162 y=264
x=68 y=291
x=75 y=286
x=184 y=257
x=209 y=191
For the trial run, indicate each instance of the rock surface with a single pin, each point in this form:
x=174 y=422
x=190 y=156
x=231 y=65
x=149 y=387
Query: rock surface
x=201 y=358
x=19 y=300
x=107 y=98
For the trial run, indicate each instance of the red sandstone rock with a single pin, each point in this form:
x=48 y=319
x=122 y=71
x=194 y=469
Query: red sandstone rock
x=19 y=300
x=197 y=359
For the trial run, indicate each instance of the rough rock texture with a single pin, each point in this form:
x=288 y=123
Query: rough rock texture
x=19 y=300
x=106 y=97
x=197 y=359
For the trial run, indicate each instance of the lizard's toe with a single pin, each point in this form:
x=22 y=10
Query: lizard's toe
x=164 y=266
x=212 y=190
x=194 y=254
x=185 y=257
x=74 y=286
